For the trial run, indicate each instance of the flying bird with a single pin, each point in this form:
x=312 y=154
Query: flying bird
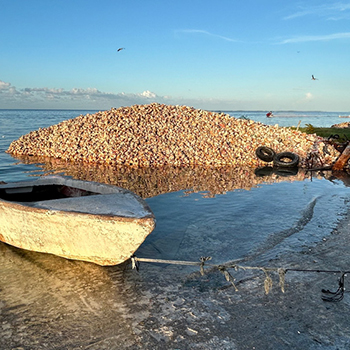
x=121 y=48
x=313 y=78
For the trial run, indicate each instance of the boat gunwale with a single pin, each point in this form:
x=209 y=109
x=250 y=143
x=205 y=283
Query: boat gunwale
x=58 y=180
x=103 y=239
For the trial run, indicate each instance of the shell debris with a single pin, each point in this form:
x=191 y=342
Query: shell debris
x=157 y=134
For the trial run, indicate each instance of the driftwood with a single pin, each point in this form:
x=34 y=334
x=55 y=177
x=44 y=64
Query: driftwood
x=342 y=160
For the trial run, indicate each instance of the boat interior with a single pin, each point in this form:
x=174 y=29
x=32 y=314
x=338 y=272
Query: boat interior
x=41 y=193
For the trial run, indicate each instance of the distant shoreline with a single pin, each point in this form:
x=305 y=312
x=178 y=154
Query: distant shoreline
x=209 y=110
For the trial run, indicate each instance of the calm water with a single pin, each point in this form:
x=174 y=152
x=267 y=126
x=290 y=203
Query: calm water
x=50 y=302
x=292 y=118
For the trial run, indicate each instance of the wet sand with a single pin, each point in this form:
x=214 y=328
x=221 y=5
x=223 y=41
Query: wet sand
x=211 y=315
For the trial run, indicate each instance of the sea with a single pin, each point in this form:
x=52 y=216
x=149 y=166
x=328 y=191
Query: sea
x=223 y=214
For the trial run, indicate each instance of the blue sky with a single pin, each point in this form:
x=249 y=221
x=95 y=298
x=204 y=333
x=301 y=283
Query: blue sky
x=219 y=55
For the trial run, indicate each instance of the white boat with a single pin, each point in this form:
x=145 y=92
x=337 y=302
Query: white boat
x=74 y=219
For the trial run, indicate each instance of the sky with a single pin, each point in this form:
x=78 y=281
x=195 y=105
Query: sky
x=214 y=55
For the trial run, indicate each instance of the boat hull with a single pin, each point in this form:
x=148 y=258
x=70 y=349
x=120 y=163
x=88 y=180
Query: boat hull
x=94 y=237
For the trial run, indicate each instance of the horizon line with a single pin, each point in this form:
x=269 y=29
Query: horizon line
x=210 y=110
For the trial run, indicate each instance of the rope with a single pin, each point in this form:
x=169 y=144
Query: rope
x=329 y=296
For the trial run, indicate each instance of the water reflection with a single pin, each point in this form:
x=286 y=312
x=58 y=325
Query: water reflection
x=44 y=297
x=151 y=182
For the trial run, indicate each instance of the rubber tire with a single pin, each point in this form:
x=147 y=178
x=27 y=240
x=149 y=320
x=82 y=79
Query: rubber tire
x=266 y=154
x=278 y=162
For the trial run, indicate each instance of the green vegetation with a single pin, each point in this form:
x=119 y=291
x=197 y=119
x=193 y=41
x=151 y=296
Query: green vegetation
x=344 y=134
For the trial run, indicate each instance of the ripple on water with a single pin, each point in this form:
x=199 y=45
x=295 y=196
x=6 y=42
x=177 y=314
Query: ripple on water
x=264 y=221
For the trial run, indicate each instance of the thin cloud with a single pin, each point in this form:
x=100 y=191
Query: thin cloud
x=308 y=96
x=10 y=95
x=4 y=86
x=148 y=94
x=92 y=98
x=334 y=11
x=308 y=38
x=7 y=90
x=204 y=32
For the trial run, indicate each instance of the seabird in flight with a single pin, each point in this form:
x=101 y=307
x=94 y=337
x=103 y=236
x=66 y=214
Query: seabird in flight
x=313 y=78
x=121 y=48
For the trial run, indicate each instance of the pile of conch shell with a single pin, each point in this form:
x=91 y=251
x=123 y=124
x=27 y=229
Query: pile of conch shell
x=157 y=134
x=343 y=125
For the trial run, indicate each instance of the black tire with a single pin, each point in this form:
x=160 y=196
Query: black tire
x=266 y=154
x=279 y=160
x=335 y=137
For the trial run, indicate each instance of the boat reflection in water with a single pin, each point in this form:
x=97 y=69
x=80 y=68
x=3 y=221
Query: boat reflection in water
x=64 y=303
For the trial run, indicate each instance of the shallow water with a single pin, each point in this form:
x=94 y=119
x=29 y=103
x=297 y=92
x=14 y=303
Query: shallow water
x=227 y=213
x=293 y=118
x=264 y=221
